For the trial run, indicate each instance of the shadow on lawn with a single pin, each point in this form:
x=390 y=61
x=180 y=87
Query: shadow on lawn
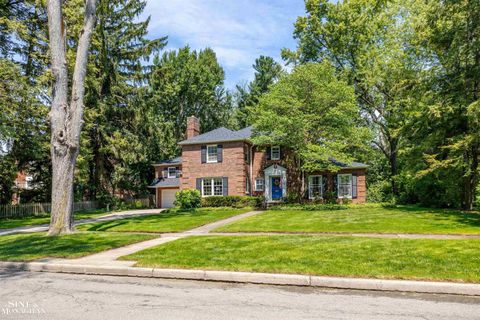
x=158 y=218
x=471 y=218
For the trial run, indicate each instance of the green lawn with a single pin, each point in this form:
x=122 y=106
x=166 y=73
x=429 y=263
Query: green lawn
x=45 y=219
x=32 y=246
x=449 y=260
x=168 y=221
x=362 y=219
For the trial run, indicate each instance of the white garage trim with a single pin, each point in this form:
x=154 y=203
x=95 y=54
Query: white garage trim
x=168 y=197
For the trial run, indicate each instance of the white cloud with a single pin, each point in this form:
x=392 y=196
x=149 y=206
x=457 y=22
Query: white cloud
x=238 y=31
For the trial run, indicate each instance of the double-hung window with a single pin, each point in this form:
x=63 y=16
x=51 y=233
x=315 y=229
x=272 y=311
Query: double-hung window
x=275 y=153
x=259 y=184
x=315 y=187
x=344 y=185
x=212 y=153
x=172 y=172
x=212 y=187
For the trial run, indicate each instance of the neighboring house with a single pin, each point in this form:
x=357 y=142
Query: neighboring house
x=224 y=162
x=23 y=181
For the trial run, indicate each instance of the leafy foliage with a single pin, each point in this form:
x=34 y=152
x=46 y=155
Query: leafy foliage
x=188 y=199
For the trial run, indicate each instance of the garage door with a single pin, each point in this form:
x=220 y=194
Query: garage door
x=168 y=197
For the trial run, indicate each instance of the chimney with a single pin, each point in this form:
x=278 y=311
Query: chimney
x=193 y=127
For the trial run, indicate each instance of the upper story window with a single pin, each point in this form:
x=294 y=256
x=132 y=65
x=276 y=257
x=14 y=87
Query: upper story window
x=172 y=172
x=315 y=187
x=212 y=153
x=344 y=185
x=275 y=153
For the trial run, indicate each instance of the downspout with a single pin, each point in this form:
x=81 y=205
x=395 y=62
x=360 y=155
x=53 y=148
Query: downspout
x=251 y=170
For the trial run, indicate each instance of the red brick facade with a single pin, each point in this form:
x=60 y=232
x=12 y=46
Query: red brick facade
x=236 y=167
x=232 y=166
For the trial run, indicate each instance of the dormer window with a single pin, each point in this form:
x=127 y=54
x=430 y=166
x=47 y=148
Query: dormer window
x=212 y=153
x=172 y=172
x=275 y=153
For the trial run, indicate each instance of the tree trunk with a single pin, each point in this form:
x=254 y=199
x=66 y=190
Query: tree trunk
x=66 y=119
x=470 y=183
x=393 y=169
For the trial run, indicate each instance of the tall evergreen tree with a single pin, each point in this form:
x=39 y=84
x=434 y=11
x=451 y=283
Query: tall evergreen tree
x=449 y=127
x=189 y=83
x=267 y=72
x=114 y=110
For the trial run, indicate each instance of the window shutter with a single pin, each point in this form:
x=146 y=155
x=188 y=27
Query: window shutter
x=324 y=185
x=204 y=154
x=219 y=153
x=335 y=185
x=269 y=153
x=354 y=186
x=225 y=186
x=199 y=185
x=309 y=184
x=165 y=173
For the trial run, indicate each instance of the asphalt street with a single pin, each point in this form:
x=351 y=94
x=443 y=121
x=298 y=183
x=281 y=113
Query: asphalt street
x=26 y=295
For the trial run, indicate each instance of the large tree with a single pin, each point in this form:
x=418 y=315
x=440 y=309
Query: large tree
x=22 y=127
x=66 y=116
x=369 y=42
x=187 y=83
x=450 y=126
x=114 y=143
x=267 y=72
x=313 y=114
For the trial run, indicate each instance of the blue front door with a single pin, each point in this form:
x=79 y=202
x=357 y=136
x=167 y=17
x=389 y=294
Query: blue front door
x=276 y=188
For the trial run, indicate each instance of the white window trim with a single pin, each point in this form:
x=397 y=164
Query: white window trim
x=271 y=153
x=263 y=184
x=208 y=158
x=174 y=172
x=338 y=186
x=310 y=179
x=212 y=180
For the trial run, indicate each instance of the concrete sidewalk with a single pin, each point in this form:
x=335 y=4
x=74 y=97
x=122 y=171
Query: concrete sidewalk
x=109 y=257
x=250 y=277
x=106 y=217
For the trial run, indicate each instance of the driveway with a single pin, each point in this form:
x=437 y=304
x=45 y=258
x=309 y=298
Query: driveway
x=63 y=296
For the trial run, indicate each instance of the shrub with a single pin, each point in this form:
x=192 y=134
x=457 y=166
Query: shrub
x=188 y=199
x=232 y=201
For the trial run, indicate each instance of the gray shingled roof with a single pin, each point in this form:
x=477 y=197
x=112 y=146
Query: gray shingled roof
x=165 y=182
x=220 y=135
x=177 y=160
x=354 y=164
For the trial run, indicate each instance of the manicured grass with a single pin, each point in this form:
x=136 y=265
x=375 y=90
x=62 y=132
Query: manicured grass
x=45 y=219
x=362 y=219
x=449 y=260
x=32 y=246
x=168 y=221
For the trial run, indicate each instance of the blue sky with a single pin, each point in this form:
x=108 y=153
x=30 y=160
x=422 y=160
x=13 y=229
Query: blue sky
x=238 y=31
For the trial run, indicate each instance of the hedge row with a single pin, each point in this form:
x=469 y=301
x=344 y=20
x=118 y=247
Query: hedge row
x=233 y=201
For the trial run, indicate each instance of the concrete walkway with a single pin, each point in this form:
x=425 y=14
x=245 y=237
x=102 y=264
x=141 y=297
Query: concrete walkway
x=109 y=257
x=106 y=217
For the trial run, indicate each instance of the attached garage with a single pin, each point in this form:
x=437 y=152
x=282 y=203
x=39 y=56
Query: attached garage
x=165 y=190
x=167 y=197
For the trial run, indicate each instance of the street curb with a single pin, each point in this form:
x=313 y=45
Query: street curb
x=469 y=289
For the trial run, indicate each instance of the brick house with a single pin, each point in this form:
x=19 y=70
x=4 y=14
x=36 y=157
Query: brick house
x=225 y=162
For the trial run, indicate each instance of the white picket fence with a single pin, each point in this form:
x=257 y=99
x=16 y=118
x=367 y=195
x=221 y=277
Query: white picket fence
x=35 y=209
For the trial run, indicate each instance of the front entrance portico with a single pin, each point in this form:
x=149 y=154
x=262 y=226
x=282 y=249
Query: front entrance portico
x=275 y=183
